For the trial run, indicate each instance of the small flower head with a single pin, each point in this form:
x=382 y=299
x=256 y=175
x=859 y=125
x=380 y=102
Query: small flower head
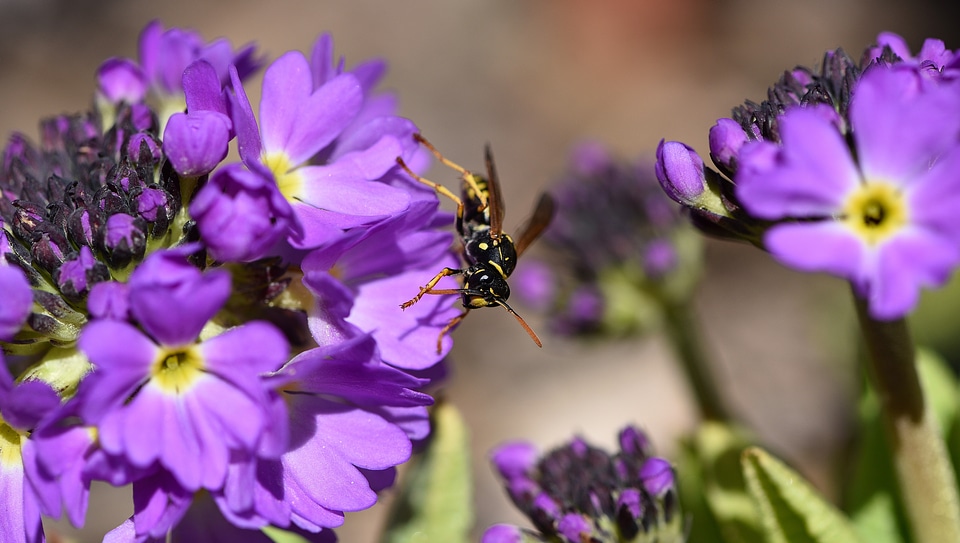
x=617 y=244
x=580 y=493
x=849 y=170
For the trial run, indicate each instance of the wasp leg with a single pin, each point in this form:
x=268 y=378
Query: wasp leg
x=466 y=174
x=453 y=322
x=440 y=189
x=428 y=288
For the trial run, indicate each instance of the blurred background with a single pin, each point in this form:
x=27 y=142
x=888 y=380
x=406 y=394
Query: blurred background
x=533 y=78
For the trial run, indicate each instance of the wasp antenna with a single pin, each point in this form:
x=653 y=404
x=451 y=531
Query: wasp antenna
x=530 y=332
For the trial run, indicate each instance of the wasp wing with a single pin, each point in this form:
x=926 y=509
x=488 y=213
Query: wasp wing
x=494 y=196
x=542 y=215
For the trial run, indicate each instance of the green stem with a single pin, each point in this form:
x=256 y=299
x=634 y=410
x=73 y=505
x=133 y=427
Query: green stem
x=683 y=331
x=923 y=470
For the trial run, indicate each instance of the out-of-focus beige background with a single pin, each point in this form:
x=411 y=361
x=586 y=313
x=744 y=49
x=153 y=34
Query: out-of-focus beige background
x=533 y=77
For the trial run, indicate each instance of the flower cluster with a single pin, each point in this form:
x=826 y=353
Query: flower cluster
x=578 y=493
x=224 y=330
x=852 y=170
x=616 y=252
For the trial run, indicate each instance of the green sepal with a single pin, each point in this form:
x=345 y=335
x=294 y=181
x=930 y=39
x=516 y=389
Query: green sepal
x=434 y=503
x=791 y=511
x=713 y=493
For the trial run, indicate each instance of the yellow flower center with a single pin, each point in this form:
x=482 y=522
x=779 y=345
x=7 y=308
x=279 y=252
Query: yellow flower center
x=289 y=181
x=10 y=445
x=875 y=211
x=175 y=370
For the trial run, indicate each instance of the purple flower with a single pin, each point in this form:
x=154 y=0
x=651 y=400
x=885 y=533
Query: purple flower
x=17 y=300
x=881 y=216
x=340 y=440
x=22 y=407
x=305 y=115
x=196 y=401
x=240 y=214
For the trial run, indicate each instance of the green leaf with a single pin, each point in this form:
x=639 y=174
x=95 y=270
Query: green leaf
x=791 y=510
x=435 y=497
x=712 y=491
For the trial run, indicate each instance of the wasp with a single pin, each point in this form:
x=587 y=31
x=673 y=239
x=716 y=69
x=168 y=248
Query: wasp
x=489 y=255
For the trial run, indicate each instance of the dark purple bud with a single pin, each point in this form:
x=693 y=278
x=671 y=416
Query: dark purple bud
x=579 y=447
x=630 y=503
x=657 y=476
x=196 y=142
x=79 y=229
x=74 y=276
x=124 y=239
x=502 y=533
x=726 y=139
x=574 y=527
x=680 y=171
x=546 y=506
x=121 y=80
x=143 y=148
x=47 y=253
x=634 y=442
x=240 y=214
x=514 y=460
x=109 y=300
x=150 y=202
x=522 y=490
x=17 y=301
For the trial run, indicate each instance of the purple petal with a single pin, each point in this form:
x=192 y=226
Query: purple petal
x=657 y=476
x=201 y=88
x=240 y=214
x=245 y=123
x=173 y=300
x=251 y=349
x=121 y=80
x=900 y=124
x=514 y=460
x=910 y=260
x=109 y=300
x=20 y=517
x=342 y=193
x=408 y=338
x=811 y=175
x=17 y=300
x=196 y=142
x=297 y=121
x=933 y=199
x=502 y=533
x=825 y=246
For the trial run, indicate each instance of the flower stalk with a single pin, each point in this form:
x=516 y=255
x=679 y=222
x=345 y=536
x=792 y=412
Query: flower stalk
x=683 y=331
x=923 y=470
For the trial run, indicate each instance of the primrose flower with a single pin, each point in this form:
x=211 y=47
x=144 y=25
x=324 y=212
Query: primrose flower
x=225 y=338
x=846 y=170
x=22 y=406
x=579 y=493
x=883 y=220
x=325 y=154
